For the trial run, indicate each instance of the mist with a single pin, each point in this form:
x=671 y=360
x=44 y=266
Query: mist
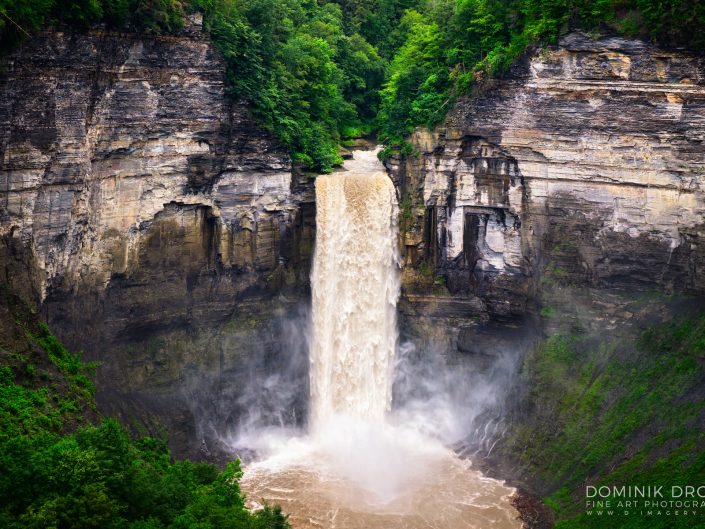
x=452 y=397
x=331 y=409
x=260 y=402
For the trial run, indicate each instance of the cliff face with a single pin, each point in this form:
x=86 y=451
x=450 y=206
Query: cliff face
x=160 y=230
x=574 y=184
x=145 y=213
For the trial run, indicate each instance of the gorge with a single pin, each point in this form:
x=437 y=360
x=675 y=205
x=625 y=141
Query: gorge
x=549 y=264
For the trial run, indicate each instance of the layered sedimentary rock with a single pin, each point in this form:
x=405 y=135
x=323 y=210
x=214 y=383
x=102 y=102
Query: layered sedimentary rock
x=158 y=228
x=144 y=212
x=582 y=170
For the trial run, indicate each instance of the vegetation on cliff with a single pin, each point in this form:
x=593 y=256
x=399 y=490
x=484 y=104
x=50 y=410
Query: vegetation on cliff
x=309 y=80
x=318 y=72
x=614 y=412
x=450 y=45
x=309 y=74
x=61 y=466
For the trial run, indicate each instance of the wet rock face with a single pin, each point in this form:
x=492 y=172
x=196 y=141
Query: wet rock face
x=584 y=168
x=141 y=209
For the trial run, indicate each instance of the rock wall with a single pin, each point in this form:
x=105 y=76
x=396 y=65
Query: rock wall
x=147 y=215
x=576 y=182
x=157 y=227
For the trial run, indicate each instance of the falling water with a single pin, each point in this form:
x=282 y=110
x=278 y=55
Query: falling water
x=358 y=467
x=355 y=286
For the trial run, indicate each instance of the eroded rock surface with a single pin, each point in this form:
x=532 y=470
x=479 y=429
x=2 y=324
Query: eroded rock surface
x=583 y=170
x=144 y=212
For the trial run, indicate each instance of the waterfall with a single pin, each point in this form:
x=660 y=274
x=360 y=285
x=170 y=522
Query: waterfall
x=355 y=287
x=359 y=466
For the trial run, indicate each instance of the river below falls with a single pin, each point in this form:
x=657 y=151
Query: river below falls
x=456 y=498
x=388 y=478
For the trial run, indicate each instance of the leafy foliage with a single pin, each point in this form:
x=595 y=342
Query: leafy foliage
x=97 y=476
x=614 y=413
x=309 y=82
x=21 y=17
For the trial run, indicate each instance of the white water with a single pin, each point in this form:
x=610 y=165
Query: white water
x=358 y=467
x=355 y=287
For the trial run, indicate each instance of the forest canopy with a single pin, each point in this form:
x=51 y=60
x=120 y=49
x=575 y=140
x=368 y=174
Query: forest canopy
x=319 y=72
